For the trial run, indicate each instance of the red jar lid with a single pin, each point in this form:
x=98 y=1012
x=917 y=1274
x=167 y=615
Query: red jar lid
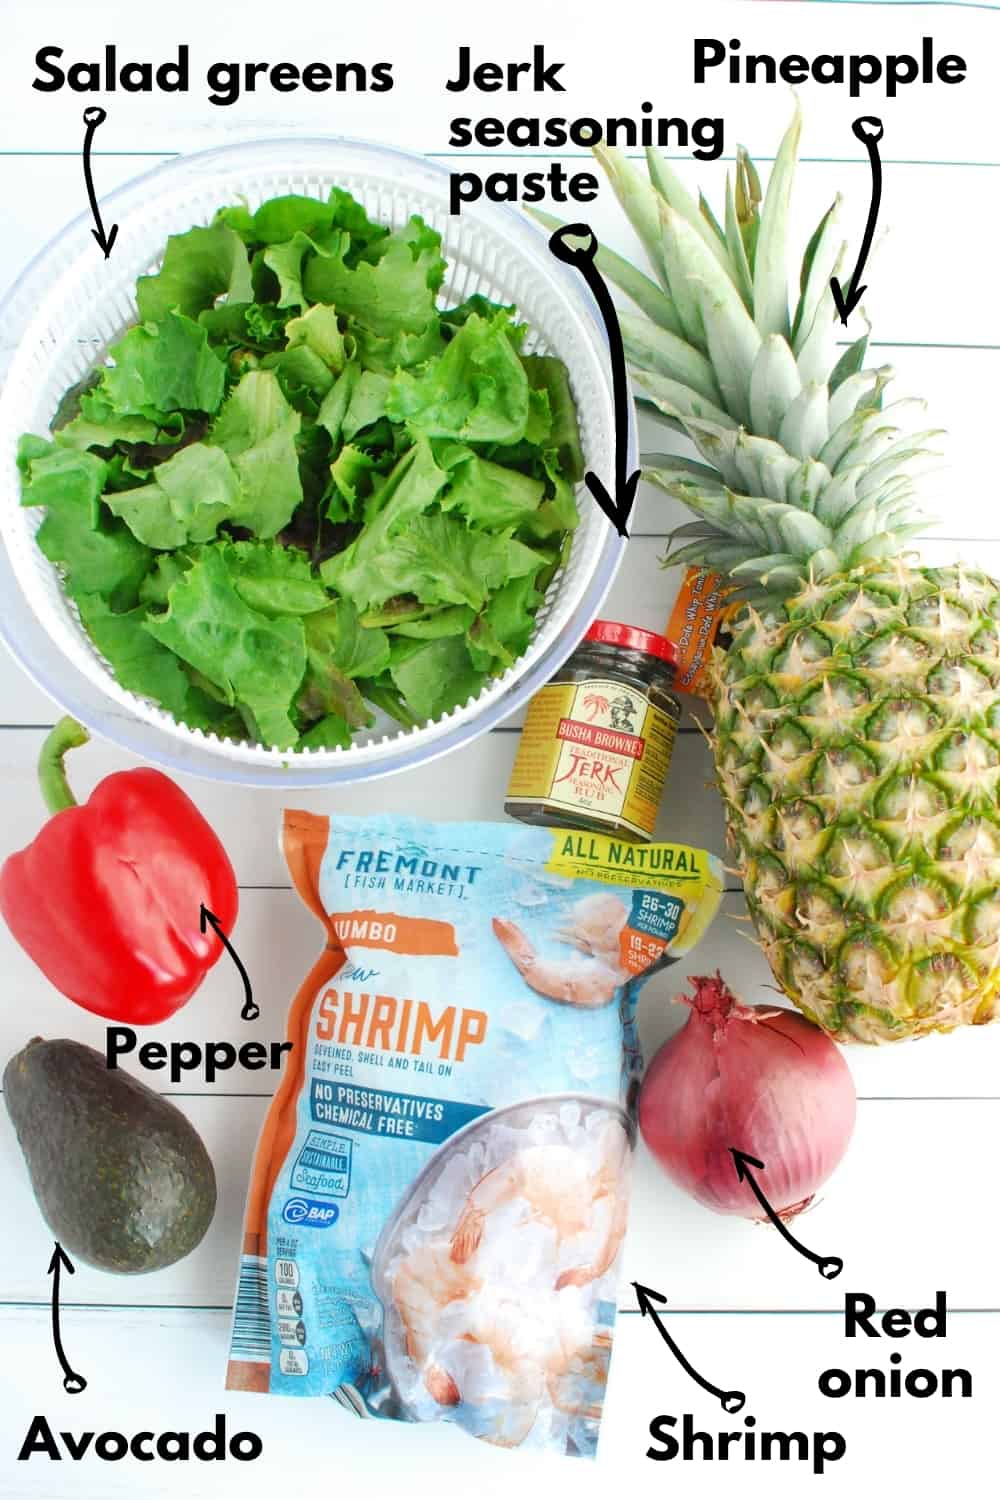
x=612 y=633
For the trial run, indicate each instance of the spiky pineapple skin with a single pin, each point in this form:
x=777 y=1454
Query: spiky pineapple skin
x=857 y=745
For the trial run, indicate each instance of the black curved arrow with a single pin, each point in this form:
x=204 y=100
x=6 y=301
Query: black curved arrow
x=73 y=1383
x=829 y=1266
x=731 y=1401
x=618 y=507
x=250 y=1010
x=93 y=116
x=869 y=131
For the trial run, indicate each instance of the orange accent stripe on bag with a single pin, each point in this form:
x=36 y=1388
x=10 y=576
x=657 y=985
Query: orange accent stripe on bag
x=387 y=930
x=304 y=837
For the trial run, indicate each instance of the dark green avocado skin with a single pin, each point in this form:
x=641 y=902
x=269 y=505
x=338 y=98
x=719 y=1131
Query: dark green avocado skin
x=121 y=1176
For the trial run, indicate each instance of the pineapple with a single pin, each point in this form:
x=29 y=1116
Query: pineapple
x=857 y=710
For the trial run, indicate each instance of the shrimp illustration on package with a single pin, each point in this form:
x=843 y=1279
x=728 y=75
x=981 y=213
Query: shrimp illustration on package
x=440 y=1191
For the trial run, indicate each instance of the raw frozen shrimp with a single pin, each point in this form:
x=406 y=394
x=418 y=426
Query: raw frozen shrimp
x=513 y=1352
x=426 y=1281
x=586 y=982
x=443 y=1305
x=596 y=927
x=537 y=1350
x=559 y=1189
x=512 y=1333
x=610 y=1182
x=576 y=1369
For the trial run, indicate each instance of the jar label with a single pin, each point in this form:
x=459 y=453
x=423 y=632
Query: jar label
x=596 y=747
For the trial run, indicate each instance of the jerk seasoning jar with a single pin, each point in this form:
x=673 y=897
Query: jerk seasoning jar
x=598 y=738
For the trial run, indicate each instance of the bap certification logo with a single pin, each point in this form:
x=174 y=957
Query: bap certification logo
x=312 y=1215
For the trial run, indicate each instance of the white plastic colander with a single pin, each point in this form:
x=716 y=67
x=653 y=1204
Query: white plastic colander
x=70 y=304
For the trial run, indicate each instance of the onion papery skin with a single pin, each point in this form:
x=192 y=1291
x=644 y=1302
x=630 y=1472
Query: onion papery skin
x=761 y=1079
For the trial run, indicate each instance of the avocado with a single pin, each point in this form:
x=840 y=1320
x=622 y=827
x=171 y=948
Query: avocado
x=122 y=1178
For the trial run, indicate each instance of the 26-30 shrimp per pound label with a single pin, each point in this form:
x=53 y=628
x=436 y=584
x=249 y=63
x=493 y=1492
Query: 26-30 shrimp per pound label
x=595 y=747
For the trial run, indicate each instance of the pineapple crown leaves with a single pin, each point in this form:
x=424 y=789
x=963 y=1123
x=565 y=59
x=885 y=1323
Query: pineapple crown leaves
x=806 y=473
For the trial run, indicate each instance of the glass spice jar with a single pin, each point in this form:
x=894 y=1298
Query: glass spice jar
x=598 y=738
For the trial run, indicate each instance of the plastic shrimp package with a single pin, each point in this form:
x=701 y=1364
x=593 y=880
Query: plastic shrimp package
x=440 y=1191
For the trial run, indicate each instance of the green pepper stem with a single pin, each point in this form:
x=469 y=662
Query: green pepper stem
x=66 y=735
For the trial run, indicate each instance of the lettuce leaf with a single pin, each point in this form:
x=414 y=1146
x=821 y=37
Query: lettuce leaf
x=105 y=559
x=304 y=378
x=349 y=473
x=257 y=429
x=547 y=374
x=397 y=351
x=556 y=516
x=367 y=403
x=256 y=326
x=167 y=568
x=486 y=650
x=490 y=496
x=192 y=494
x=348 y=214
x=511 y=613
x=279 y=219
x=287 y=261
x=140 y=663
x=319 y=331
x=257 y=662
x=338 y=634
x=384 y=695
x=163 y=367
x=455 y=317
x=54 y=475
x=328 y=691
x=437 y=677
x=477 y=391
x=247 y=471
x=273 y=579
x=97 y=555
x=447 y=619
x=198 y=267
x=30 y=447
x=330 y=733
x=337 y=401
x=98 y=425
x=436 y=558
x=361 y=572
x=338 y=650
x=391 y=294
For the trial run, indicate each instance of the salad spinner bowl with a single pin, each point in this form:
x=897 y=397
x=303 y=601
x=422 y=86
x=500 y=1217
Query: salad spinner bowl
x=71 y=304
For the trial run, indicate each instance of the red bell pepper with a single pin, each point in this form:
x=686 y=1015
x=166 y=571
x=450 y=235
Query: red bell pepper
x=107 y=899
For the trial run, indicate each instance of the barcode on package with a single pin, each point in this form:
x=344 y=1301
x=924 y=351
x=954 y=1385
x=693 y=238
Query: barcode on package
x=251 y=1319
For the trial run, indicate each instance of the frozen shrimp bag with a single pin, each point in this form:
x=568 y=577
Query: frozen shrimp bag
x=440 y=1191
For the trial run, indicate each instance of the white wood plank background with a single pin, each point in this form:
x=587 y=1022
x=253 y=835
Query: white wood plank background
x=170 y=1359
x=913 y=1206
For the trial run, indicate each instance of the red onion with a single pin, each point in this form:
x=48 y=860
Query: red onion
x=764 y=1080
